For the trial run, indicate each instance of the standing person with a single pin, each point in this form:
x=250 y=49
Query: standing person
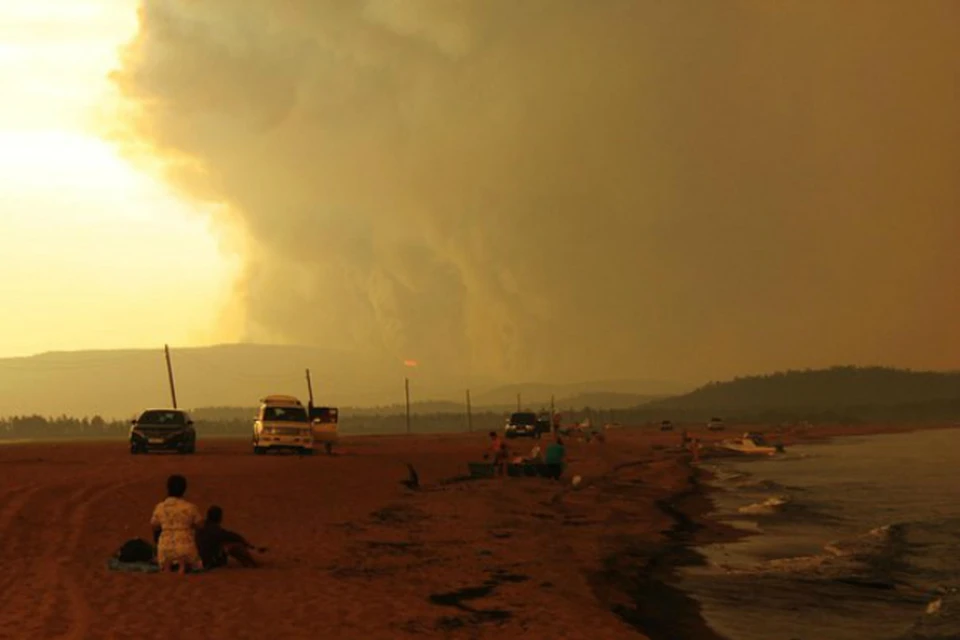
x=554 y=459
x=175 y=522
x=498 y=452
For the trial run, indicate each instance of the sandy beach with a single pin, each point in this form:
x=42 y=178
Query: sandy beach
x=352 y=552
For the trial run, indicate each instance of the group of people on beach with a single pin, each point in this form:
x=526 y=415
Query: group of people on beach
x=552 y=457
x=185 y=541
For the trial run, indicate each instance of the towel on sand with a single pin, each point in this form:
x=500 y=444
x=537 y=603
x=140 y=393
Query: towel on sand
x=113 y=564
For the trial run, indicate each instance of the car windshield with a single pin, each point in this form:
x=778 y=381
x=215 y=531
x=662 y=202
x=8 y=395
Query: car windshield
x=524 y=419
x=163 y=418
x=285 y=414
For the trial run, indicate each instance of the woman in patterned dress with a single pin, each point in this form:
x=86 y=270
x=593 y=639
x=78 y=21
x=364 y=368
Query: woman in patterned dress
x=177 y=521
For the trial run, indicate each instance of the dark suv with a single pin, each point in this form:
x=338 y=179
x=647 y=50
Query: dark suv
x=163 y=430
x=526 y=423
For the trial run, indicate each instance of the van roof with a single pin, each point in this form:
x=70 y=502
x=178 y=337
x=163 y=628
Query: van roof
x=281 y=399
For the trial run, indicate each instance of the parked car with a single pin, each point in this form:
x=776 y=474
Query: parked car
x=524 y=424
x=544 y=425
x=716 y=424
x=282 y=424
x=666 y=425
x=163 y=430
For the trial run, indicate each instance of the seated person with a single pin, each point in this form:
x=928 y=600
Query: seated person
x=554 y=459
x=499 y=451
x=536 y=454
x=174 y=523
x=217 y=544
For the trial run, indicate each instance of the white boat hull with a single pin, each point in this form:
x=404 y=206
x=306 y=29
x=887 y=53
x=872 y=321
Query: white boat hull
x=750 y=444
x=763 y=451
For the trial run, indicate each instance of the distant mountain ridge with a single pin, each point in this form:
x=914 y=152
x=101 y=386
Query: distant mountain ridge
x=843 y=392
x=119 y=383
x=823 y=387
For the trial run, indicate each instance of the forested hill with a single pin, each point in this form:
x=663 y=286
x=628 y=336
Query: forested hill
x=838 y=388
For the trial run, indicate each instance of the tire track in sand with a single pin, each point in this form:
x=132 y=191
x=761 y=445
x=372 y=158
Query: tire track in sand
x=41 y=596
x=28 y=588
x=80 y=614
x=13 y=501
x=11 y=544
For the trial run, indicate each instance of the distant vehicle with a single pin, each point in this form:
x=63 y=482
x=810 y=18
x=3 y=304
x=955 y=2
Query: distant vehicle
x=544 y=424
x=163 y=430
x=666 y=425
x=523 y=424
x=323 y=422
x=282 y=424
x=716 y=424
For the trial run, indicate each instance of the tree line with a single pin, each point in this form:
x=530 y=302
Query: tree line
x=837 y=396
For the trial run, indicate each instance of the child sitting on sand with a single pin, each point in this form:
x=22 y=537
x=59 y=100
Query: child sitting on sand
x=217 y=544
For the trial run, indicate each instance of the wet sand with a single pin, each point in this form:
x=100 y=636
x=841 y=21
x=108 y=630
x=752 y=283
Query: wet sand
x=352 y=552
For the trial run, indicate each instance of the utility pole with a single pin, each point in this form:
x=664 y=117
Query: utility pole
x=173 y=389
x=310 y=388
x=406 y=386
x=469 y=416
x=553 y=414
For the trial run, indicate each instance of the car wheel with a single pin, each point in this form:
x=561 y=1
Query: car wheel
x=259 y=450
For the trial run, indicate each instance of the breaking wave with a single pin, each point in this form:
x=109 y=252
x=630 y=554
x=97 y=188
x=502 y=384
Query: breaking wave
x=770 y=505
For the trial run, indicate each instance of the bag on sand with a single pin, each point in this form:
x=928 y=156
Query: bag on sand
x=135 y=550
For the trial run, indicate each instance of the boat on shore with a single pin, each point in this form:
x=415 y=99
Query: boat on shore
x=751 y=443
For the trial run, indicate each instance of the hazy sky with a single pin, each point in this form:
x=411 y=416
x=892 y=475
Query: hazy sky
x=93 y=253
x=537 y=189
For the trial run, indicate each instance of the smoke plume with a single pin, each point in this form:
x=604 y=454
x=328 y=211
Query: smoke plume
x=574 y=188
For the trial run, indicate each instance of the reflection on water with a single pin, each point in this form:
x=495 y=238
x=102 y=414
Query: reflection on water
x=856 y=539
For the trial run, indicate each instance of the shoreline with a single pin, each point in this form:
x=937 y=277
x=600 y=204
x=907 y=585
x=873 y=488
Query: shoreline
x=459 y=559
x=662 y=611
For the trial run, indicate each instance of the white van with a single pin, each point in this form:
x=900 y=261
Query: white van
x=282 y=424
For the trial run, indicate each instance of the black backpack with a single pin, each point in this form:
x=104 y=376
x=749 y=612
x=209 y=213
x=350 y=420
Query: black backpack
x=135 y=550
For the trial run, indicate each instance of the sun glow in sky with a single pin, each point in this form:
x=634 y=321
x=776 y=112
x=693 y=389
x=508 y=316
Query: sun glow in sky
x=93 y=252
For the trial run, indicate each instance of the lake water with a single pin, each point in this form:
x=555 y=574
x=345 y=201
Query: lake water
x=856 y=540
